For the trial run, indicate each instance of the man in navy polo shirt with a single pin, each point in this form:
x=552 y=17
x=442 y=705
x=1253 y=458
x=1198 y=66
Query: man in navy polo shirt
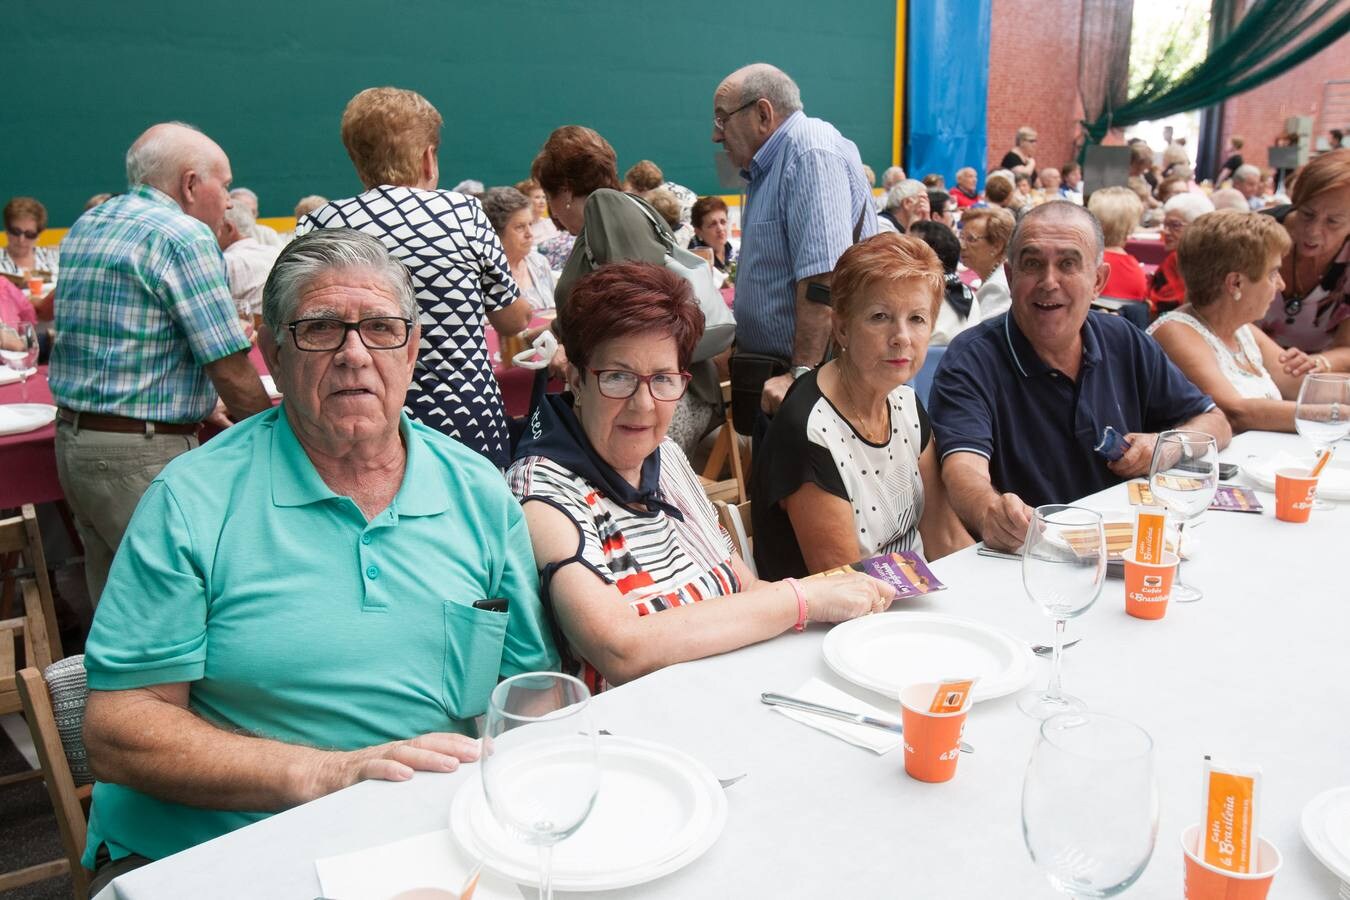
x=1020 y=401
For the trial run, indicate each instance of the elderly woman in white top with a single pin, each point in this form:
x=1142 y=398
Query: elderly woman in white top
x=906 y=203
x=512 y=215
x=985 y=233
x=1231 y=265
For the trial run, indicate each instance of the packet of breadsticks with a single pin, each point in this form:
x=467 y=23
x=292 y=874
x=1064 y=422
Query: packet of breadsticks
x=1230 y=824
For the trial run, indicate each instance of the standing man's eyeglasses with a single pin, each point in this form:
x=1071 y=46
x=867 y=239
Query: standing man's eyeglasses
x=720 y=122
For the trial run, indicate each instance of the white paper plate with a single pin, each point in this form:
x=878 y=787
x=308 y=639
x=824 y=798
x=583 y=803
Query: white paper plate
x=658 y=810
x=1325 y=827
x=16 y=418
x=886 y=652
x=270 y=385
x=1332 y=484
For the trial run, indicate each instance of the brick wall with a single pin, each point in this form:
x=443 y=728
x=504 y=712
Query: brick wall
x=1033 y=77
x=1259 y=114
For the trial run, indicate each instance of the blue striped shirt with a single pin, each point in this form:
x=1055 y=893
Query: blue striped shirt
x=143 y=304
x=807 y=193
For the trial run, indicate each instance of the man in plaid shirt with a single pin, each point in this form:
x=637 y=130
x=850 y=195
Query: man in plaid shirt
x=147 y=334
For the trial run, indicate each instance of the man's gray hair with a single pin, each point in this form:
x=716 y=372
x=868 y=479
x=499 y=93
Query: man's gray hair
x=763 y=81
x=1057 y=209
x=501 y=203
x=1247 y=172
x=241 y=217
x=1224 y=198
x=244 y=192
x=1192 y=206
x=903 y=191
x=892 y=176
x=326 y=250
x=158 y=159
x=964 y=169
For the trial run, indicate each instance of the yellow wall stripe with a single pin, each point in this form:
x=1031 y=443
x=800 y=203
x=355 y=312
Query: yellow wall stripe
x=898 y=123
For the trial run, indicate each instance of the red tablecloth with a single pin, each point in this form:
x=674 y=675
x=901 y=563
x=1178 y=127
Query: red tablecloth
x=28 y=460
x=516 y=383
x=1149 y=251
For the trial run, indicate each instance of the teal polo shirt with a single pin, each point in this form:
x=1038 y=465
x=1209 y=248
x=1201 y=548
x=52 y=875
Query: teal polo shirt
x=293 y=618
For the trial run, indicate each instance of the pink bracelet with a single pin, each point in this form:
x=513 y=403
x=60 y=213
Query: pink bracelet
x=802 y=611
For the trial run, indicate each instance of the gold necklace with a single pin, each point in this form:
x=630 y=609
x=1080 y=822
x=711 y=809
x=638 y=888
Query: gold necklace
x=856 y=418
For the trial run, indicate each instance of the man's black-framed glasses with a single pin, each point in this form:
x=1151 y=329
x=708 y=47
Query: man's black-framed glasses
x=376 y=332
x=620 y=384
x=720 y=122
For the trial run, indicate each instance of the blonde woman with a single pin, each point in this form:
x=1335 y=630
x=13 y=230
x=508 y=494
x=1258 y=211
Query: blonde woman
x=1118 y=210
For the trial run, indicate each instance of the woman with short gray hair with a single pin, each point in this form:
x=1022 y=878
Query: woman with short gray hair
x=512 y=216
x=1167 y=289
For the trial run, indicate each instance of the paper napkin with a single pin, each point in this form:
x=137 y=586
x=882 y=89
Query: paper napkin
x=426 y=860
x=13 y=376
x=874 y=739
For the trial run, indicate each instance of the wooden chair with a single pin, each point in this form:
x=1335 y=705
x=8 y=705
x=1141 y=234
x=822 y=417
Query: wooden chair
x=60 y=750
x=735 y=518
x=727 y=448
x=36 y=629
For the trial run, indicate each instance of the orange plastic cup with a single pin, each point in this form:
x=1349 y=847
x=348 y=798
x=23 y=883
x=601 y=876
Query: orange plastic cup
x=932 y=740
x=1206 y=882
x=1295 y=491
x=1148 y=586
x=35 y=287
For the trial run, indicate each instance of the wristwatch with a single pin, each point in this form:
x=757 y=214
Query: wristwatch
x=799 y=371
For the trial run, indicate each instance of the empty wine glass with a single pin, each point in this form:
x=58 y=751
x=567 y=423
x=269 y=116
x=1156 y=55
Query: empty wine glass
x=540 y=763
x=1090 y=803
x=1322 y=415
x=1063 y=566
x=1183 y=477
x=19 y=351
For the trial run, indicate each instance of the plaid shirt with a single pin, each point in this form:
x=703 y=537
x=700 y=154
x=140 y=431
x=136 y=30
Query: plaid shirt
x=141 y=307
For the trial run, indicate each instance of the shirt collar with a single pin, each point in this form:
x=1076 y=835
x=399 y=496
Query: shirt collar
x=1029 y=362
x=764 y=157
x=153 y=195
x=295 y=481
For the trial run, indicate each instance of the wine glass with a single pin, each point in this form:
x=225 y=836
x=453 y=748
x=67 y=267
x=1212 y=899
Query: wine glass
x=1183 y=477
x=1063 y=566
x=541 y=762
x=1322 y=415
x=1090 y=803
x=19 y=351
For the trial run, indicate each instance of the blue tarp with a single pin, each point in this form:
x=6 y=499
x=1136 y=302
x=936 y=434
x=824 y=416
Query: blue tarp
x=947 y=87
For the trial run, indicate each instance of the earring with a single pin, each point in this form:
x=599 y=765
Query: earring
x=1237 y=296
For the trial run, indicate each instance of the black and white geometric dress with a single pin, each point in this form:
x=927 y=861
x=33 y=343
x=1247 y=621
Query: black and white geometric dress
x=459 y=273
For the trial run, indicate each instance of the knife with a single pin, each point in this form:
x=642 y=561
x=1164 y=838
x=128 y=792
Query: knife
x=843 y=715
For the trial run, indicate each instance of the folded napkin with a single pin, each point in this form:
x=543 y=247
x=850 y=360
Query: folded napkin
x=874 y=739
x=270 y=385
x=12 y=376
x=426 y=860
x=17 y=418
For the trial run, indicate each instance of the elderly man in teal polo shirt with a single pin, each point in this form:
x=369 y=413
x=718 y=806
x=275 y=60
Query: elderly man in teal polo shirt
x=292 y=609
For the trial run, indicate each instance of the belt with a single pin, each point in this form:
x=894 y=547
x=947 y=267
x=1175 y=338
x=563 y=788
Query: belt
x=124 y=425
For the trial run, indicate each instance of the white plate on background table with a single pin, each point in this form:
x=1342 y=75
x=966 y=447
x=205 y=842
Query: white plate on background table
x=658 y=810
x=1332 y=484
x=1325 y=826
x=17 y=418
x=886 y=652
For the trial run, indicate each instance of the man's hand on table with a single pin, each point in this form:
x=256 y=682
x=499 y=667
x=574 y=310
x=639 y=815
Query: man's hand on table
x=437 y=751
x=775 y=389
x=1005 y=522
x=1137 y=458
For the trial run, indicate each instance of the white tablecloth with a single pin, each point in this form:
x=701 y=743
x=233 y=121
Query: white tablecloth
x=1257 y=671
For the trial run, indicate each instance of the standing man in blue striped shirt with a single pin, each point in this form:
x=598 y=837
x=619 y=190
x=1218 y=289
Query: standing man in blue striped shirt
x=808 y=201
x=147 y=334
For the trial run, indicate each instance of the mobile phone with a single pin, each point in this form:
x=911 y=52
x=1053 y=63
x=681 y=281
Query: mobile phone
x=496 y=604
x=1228 y=471
x=818 y=293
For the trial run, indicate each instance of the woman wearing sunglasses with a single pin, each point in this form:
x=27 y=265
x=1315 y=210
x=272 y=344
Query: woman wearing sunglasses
x=636 y=571
x=25 y=219
x=1312 y=312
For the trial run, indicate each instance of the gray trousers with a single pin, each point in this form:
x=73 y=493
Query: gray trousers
x=104 y=475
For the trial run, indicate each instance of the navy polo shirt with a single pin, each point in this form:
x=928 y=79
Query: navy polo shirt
x=993 y=395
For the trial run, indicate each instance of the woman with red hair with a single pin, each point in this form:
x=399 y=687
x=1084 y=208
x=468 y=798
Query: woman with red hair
x=636 y=571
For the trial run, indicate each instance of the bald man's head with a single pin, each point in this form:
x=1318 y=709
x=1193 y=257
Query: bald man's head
x=180 y=161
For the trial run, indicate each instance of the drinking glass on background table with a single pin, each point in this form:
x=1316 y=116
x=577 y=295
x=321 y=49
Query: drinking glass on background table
x=1090 y=803
x=19 y=351
x=1322 y=415
x=1063 y=566
x=541 y=762
x=1183 y=477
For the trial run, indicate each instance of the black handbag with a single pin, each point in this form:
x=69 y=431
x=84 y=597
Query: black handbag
x=749 y=371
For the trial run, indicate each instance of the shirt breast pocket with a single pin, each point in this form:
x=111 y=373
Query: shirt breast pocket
x=474 y=643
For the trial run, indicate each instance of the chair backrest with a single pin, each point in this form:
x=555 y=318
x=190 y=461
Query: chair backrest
x=19 y=537
x=53 y=702
x=922 y=382
x=735 y=518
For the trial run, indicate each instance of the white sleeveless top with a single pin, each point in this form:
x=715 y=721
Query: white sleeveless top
x=1251 y=380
